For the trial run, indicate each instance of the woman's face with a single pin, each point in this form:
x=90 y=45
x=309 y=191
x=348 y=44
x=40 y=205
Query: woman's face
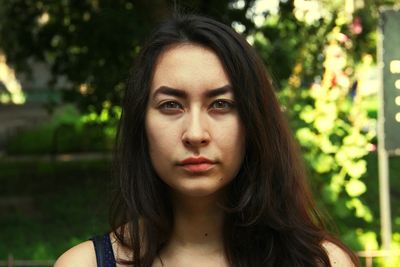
x=196 y=138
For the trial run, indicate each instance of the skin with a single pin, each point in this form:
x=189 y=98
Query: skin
x=191 y=124
x=198 y=118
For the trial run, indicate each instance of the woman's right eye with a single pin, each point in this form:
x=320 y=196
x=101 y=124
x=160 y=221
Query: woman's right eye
x=170 y=106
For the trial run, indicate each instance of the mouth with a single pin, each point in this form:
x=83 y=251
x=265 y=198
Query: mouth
x=198 y=164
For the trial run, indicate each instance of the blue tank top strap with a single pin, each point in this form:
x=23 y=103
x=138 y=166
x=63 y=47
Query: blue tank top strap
x=104 y=252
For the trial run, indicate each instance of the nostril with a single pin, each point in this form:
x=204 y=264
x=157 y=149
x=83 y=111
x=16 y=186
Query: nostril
x=196 y=129
x=195 y=140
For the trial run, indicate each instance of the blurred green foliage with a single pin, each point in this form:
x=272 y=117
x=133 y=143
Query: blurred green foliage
x=68 y=132
x=332 y=128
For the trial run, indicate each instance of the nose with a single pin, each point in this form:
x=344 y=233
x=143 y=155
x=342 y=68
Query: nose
x=196 y=132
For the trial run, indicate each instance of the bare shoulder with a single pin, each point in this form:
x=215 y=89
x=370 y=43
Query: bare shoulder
x=82 y=254
x=337 y=256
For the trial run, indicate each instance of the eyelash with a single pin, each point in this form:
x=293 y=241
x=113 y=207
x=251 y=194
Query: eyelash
x=166 y=103
x=229 y=105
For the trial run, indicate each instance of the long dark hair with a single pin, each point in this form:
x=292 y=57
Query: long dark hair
x=270 y=219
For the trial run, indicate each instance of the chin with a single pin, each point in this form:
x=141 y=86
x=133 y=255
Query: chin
x=198 y=190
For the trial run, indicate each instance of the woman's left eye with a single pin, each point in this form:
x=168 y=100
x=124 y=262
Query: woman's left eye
x=222 y=105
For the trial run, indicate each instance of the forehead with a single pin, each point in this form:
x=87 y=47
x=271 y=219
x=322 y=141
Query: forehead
x=189 y=65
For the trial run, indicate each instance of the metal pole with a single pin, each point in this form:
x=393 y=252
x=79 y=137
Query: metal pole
x=383 y=157
x=384 y=198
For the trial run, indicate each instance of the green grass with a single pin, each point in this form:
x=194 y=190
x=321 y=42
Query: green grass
x=60 y=205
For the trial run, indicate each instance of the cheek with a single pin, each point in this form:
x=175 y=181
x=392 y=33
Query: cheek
x=231 y=141
x=162 y=141
x=161 y=153
x=231 y=135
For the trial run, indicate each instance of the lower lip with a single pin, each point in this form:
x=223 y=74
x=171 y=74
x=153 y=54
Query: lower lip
x=202 y=167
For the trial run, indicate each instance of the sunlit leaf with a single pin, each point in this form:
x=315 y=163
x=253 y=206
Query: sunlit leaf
x=308 y=114
x=355 y=188
x=361 y=210
x=306 y=136
x=356 y=169
x=324 y=123
x=323 y=163
x=369 y=239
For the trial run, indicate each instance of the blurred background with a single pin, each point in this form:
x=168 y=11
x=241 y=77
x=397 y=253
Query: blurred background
x=63 y=65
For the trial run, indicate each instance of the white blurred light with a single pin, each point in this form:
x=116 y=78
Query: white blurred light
x=398 y=117
x=397 y=100
x=43 y=19
x=309 y=11
x=397 y=84
x=239 y=27
x=250 y=39
x=395 y=66
x=260 y=8
x=239 y=4
x=7 y=77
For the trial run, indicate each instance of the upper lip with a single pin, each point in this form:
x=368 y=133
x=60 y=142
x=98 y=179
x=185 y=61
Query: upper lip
x=196 y=160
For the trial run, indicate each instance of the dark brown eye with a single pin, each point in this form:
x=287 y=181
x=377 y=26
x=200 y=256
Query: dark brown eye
x=222 y=105
x=170 y=105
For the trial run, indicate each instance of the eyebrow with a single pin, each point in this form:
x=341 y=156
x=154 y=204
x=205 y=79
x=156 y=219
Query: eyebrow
x=166 y=90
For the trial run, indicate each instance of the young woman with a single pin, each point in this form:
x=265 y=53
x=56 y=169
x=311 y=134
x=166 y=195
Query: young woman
x=209 y=174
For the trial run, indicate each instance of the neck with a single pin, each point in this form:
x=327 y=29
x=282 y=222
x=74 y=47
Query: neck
x=198 y=223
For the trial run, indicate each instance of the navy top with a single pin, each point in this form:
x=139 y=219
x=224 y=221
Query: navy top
x=104 y=252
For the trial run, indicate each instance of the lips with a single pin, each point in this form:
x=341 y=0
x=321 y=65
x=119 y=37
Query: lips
x=198 y=164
